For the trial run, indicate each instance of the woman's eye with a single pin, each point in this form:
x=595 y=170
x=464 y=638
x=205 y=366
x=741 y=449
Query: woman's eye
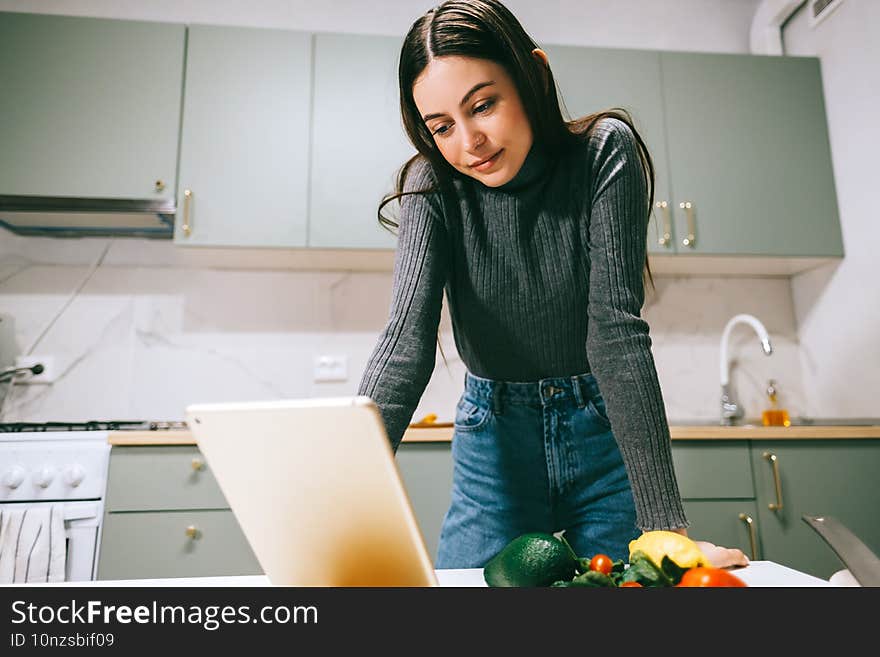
x=479 y=109
x=486 y=105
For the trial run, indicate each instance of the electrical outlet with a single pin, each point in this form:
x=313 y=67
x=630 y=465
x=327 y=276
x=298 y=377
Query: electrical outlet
x=331 y=368
x=48 y=374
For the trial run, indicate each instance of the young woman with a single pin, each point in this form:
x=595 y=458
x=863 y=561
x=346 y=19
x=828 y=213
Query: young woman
x=536 y=227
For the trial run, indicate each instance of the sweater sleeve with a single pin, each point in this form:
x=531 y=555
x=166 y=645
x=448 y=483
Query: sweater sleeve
x=403 y=360
x=618 y=341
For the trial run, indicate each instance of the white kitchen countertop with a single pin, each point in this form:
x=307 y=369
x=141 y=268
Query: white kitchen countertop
x=756 y=574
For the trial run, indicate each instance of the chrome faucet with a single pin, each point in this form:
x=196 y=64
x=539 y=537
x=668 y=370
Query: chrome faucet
x=730 y=410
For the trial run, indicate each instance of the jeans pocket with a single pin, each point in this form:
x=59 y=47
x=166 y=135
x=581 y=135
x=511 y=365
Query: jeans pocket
x=470 y=416
x=596 y=406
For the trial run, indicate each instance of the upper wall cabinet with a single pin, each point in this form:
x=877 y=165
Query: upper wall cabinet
x=245 y=138
x=749 y=155
x=358 y=140
x=290 y=139
x=739 y=144
x=89 y=107
x=591 y=80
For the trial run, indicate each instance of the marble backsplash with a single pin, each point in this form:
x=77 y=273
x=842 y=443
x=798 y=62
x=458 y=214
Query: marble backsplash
x=140 y=337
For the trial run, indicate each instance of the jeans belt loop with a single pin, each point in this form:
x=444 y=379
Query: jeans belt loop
x=497 y=389
x=578 y=391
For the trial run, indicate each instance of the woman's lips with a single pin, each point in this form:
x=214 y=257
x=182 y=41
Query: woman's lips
x=488 y=164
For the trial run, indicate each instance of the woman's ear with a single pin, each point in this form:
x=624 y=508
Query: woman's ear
x=541 y=56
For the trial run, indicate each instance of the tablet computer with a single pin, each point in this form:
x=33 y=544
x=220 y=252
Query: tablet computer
x=315 y=488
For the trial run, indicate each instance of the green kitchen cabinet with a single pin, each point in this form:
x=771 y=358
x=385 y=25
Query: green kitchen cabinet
x=157 y=477
x=183 y=543
x=165 y=516
x=426 y=471
x=752 y=494
x=713 y=469
x=717 y=489
x=281 y=138
x=244 y=139
x=358 y=140
x=89 y=107
x=590 y=80
x=739 y=144
x=731 y=523
x=836 y=478
x=749 y=155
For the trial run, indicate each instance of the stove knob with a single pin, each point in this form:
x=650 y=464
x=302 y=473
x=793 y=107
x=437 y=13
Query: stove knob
x=73 y=475
x=13 y=477
x=43 y=477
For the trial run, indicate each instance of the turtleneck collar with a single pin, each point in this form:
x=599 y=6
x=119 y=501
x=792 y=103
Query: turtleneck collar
x=533 y=168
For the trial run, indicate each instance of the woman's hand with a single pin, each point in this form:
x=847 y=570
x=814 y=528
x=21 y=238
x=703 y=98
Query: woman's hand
x=721 y=557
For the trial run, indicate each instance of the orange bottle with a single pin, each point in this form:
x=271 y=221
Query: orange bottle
x=774 y=416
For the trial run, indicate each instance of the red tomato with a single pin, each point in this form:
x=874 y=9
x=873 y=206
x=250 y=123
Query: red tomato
x=601 y=563
x=706 y=576
x=631 y=584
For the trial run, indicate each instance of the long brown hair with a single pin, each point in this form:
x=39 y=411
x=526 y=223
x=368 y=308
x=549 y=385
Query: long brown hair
x=486 y=29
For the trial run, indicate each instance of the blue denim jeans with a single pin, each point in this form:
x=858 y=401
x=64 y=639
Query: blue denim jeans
x=529 y=457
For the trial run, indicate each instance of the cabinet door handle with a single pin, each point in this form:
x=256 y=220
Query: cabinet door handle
x=198 y=464
x=750 y=523
x=193 y=532
x=691 y=238
x=187 y=198
x=666 y=239
x=774 y=461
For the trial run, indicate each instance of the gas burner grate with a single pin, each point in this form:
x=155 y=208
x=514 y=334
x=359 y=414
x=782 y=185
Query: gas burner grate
x=91 y=425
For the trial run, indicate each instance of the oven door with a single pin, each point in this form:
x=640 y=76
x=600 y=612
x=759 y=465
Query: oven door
x=82 y=525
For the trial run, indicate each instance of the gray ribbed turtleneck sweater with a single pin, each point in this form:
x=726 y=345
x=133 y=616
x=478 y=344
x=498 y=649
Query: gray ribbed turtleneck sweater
x=544 y=278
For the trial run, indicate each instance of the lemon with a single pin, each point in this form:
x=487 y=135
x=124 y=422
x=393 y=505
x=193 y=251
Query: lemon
x=680 y=549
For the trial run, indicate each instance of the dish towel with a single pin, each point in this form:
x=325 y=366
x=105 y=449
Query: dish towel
x=33 y=545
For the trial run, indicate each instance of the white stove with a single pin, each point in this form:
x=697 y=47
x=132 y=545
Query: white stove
x=63 y=464
x=53 y=465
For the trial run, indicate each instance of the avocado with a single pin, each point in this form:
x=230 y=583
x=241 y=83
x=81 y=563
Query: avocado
x=533 y=559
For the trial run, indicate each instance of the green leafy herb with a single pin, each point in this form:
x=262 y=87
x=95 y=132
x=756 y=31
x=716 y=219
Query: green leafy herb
x=618 y=568
x=672 y=570
x=593 y=578
x=644 y=571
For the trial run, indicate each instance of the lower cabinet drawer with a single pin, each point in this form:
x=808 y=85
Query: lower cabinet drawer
x=713 y=469
x=143 y=545
x=160 y=477
x=731 y=523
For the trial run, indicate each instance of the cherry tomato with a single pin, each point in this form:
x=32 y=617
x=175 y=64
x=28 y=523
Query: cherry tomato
x=706 y=576
x=631 y=584
x=601 y=563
